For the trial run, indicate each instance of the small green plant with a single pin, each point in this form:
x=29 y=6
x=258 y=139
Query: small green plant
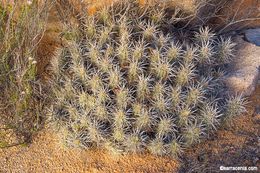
x=130 y=83
x=21 y=28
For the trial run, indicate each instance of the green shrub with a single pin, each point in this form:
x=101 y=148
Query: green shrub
x=129 y=80
x=21 y=28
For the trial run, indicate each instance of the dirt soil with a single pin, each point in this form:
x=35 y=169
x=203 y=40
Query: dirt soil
x=237 y=145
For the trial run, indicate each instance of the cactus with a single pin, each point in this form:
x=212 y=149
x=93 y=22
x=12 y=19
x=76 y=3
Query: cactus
x=129 y=84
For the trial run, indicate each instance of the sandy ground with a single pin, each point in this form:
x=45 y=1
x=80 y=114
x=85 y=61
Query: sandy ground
x=46 y=154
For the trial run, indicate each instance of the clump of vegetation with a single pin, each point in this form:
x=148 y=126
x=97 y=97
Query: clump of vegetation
x=21 y=28
x=129 y=81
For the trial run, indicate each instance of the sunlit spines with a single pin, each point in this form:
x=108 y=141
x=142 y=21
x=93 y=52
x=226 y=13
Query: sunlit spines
x=104 y=35
x=173 y=51
x=135 y=68
x=120 y=118
x=68 y=88
x=162 y=69
x=118 y=134
x=225 y=50
x=80 y=71
x=193 y=132
x=159 y=90
x=185 y=114
x=114 y=78
x=138 y=50
x=86 y=101
x=90 y=27
x=93 y=53
x=205 y=53
x=234 y=106
x=165 y=126
x=194 y=95
x=175 y=147
x=157 y=15
x=204 y=35
x=149 y=30
x=145 y=120
x=123 y=54
x=189 y=55
x=210 y=115
x=101 y=113
x=143 y=88
x=162 y=40
x=176 y=97
x=73 y=112
x=122 y=97
x=95 y=83
x=184 y=74
x=135 y=141
x=105 y=64
x=155 y=57
x=157 y=147
x=161 y=103
x=104 y=17
x=102 y=95
x=95 y=132
x=124 y=30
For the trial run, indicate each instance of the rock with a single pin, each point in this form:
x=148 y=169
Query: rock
x=253 y=36
x=244 y=71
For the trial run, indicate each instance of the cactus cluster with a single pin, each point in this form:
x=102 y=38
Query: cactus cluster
x=130 y=83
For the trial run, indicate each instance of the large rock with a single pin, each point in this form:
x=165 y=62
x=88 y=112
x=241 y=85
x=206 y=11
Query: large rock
x=244 y=71
x=253 y=36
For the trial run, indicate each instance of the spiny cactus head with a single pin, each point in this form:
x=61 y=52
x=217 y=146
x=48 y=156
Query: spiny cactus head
x=145 y=120
x=184 y=74
x=175 y=148
x=157 y=14
x=195 y=94
x=206 y=53
x=135 y=142
x=173 y=52
x=193 y=133
x=149 y=30
x=131 y=81
x=90 y=27
x=204 y=35
x=165 y=126
x=162 y=69
x=95 y=133
x=114 y=78
x=234 y=106
x=143 y=87
x=225 y=50
x=210 y=115
x=118 y=134
x=157 y=147
x=184 y=115
x=138 y=52
x=120 y=119
x=189 y=55
x=176 y=96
